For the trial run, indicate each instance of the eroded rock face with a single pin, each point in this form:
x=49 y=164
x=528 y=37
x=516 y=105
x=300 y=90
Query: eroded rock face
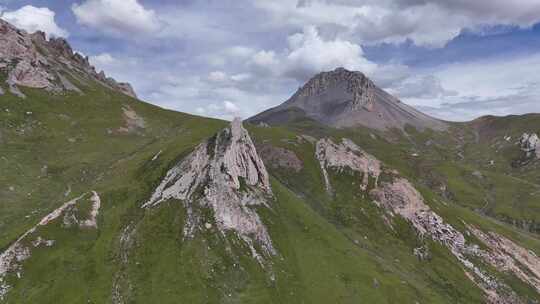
x=400 y=197
x=356 y=84
x=21 y=61
x=278 y=157
x=530 y=144
x=346 y=155
x=11 y=259
x=226 y=175
x=508 y=256
x=127 y=89
x=29 y=60
x=132 y=121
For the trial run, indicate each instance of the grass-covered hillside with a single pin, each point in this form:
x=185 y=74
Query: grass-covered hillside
x=331 y=248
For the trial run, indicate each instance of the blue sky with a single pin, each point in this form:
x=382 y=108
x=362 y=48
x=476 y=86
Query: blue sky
x=454 y=59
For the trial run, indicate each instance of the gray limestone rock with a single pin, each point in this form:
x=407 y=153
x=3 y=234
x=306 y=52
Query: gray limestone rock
x=226 y=175
x=530 y=144
x=346 y=155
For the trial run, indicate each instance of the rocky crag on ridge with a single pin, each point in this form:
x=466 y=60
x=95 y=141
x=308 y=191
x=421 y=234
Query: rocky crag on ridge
x=30 y=60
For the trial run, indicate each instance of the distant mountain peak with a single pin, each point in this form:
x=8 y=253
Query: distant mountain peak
x=357 y=84
x=30 y=60
x=343 y=99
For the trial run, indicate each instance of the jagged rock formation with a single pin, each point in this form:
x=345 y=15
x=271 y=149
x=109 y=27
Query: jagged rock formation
x=342 y=99
x=12 y=258
x=126 y=88
x=508 y=256
x=30 y=60
x=530 y=144
x=399 y=197
x=347 y=155
x=226 y=175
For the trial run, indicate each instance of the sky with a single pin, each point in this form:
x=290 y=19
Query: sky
x=453 y=59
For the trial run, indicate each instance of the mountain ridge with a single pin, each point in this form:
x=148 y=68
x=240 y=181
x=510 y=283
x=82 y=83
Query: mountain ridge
x=30 y=60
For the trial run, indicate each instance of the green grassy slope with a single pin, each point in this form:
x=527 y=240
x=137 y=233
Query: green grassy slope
x=53 y=147
x=332 y=249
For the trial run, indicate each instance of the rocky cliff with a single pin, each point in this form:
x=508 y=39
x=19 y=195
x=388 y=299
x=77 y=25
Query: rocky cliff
x=30 y=60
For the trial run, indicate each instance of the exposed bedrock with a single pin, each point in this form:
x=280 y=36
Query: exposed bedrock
x=225 y=174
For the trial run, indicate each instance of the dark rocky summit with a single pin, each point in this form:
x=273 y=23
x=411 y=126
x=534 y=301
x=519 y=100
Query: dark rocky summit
x=342 y=99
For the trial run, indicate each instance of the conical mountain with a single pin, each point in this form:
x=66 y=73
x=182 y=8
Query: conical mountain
x=343 y=98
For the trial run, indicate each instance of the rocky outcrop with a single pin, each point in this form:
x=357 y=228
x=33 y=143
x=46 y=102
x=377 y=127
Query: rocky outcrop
x=91 y=222
x=357 y=84
x=347 y=155
x=507 y=256
x=61 y=46
x=225 y=175
x=530 y=144
x=126 y=88
x=398 y=197
x=21 y=62
x=30 y=60
x=132 y=121
x=12 y=258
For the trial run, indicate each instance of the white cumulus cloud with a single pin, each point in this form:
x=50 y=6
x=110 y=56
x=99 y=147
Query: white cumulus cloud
x=266 y=59
x=117 y=17
x=429 y=23
x=310 y=54
x=226 y=110
x=31 y=19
